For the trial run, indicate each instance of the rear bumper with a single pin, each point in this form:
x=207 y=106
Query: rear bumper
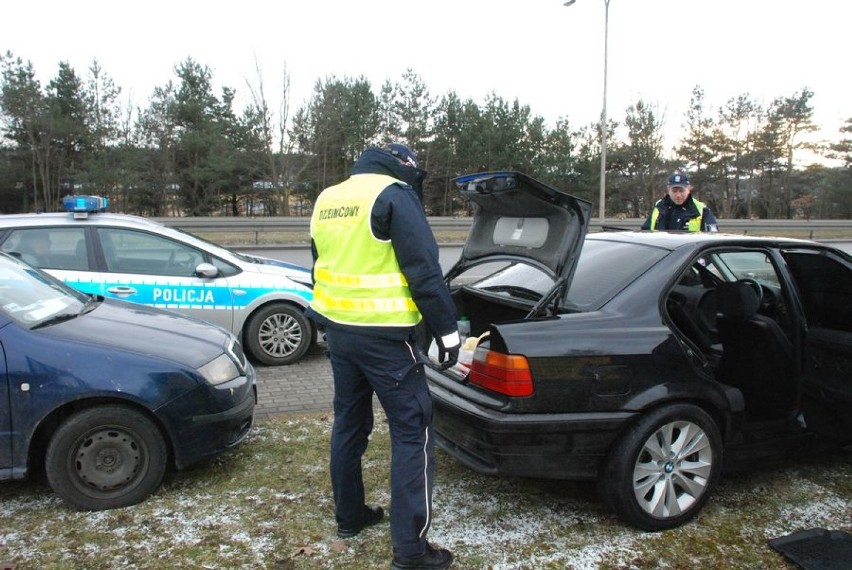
x=554 y=446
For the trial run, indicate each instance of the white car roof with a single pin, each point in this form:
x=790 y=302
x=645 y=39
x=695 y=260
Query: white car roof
x=111 y=220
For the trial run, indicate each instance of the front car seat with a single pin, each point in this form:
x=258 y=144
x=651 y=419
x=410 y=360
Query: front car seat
x=757 y=357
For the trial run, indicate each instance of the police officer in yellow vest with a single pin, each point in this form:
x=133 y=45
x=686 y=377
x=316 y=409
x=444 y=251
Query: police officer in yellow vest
x=376 y=275
x=679 y=210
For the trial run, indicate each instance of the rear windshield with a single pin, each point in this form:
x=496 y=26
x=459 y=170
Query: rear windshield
x=604 y=269
x=607 y=267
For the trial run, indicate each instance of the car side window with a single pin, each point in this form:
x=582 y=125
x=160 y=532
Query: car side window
x=225 y=268
x=131 y=251
x=50 y=248
x=757 y=267
x=751 y=265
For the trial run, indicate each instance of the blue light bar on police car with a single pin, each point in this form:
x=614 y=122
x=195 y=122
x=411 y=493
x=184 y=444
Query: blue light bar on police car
x=84 y=204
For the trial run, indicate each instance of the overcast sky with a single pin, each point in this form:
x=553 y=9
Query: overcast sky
x=548 y=56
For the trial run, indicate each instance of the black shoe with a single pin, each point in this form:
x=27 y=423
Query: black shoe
x=432 y=559
x=372 y=515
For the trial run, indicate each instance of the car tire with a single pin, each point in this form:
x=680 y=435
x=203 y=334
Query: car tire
x=278 y=334
x=106 y=457
x=661 y=472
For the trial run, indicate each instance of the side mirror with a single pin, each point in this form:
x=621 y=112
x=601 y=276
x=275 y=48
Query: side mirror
x=206 y=270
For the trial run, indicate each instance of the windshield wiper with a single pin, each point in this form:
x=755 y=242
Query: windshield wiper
x=92 y=304
x=55 y=319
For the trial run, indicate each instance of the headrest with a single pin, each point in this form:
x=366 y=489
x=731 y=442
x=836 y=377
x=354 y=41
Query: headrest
x=737 y=299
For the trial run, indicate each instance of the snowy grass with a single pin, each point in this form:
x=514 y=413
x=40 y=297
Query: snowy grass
x=267 y=504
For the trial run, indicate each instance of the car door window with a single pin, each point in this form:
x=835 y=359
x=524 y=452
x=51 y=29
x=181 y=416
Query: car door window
x=50 y=248
x=757 y=267
x=130 y=251
x=225 y=269
x=751 y=265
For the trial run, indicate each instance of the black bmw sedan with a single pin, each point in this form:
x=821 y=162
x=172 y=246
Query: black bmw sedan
x=646 y=361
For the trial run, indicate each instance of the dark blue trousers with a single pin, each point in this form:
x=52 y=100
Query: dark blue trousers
x=363 y=365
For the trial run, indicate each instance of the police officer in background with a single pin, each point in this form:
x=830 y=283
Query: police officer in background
x=679 y=210
x=376 y=274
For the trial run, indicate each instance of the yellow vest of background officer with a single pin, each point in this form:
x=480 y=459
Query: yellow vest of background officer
x=693 y=225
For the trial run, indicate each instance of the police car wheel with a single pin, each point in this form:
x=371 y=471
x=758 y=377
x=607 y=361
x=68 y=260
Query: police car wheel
x=278 y=334
x=106 y=457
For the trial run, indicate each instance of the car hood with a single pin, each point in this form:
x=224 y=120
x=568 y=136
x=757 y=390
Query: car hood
x=144 y=330
x=269 y=266
x=518 y=217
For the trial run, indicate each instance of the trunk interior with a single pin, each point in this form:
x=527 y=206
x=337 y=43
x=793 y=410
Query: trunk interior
x=481 y=309
x=485 y=310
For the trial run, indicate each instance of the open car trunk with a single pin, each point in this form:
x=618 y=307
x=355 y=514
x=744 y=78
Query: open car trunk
x=483 y=309
x=521 y=250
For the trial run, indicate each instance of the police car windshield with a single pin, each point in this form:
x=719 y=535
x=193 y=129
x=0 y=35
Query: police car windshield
x=33 y=298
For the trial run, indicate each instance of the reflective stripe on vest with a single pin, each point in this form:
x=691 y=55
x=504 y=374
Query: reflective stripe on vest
x=357 y=277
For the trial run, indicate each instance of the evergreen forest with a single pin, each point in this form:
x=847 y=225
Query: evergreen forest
x=189 y=151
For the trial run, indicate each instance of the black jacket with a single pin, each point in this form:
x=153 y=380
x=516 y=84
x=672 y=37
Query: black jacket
x=674 y=217
x=398 y=215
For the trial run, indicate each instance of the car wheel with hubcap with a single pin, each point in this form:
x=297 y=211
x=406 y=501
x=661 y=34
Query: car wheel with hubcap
x=662 y=471
x=106 y=457
x=278 y=334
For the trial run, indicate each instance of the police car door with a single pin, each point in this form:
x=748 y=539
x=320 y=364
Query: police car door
x=150 y=269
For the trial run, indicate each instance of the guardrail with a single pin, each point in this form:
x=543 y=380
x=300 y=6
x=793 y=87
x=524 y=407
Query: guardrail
x=269 y=230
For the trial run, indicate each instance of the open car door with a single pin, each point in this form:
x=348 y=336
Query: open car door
x=824 y=284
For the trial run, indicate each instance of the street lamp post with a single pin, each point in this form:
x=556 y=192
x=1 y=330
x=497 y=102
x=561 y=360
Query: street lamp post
x=602 y=196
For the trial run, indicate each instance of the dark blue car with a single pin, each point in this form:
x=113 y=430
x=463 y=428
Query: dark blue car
x=104 y=395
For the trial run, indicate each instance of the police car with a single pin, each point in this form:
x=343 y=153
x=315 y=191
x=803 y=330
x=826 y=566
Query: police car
x=260 y=300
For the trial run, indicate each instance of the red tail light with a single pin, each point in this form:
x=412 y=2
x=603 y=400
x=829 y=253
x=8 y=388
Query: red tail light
x=507 y=374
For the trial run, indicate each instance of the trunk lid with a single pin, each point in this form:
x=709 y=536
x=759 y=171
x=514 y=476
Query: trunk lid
x=519 y=219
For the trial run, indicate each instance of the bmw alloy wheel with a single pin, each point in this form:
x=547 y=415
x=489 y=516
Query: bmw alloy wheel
x=662 y=470
x=673 y=469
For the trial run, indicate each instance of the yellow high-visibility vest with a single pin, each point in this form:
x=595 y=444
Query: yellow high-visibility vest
x=357 y=279
x=693 y=225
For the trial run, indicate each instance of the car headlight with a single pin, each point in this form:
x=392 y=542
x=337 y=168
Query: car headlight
x=235 y=350
x=220 y=370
